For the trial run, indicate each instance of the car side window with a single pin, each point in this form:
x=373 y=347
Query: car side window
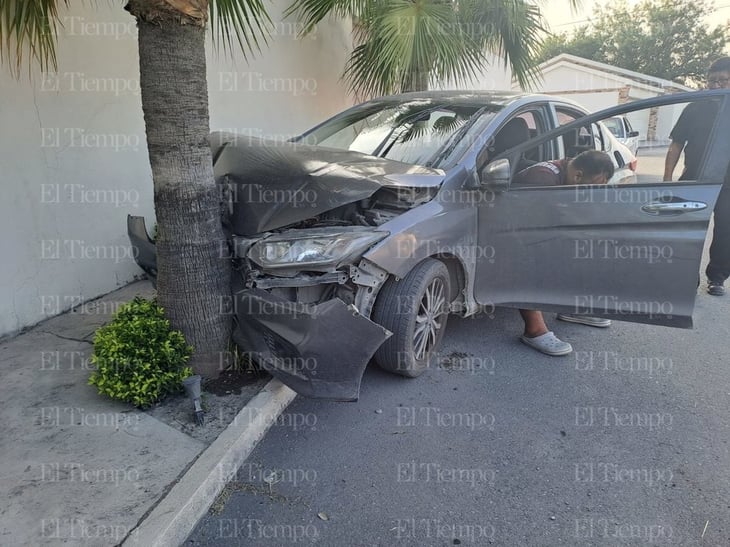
x=536 y=126
x=598 y=138
x=615 y=126
x=645 y=153
x=629 y=129
x=517 y=130
x=580 y=139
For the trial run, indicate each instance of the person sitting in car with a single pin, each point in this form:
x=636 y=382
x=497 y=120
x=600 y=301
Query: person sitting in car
x=590 y=167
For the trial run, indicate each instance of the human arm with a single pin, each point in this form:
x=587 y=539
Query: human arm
x=680 y=134
x=670 y=162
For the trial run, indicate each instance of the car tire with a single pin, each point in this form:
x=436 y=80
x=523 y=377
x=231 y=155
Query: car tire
x=415 y=309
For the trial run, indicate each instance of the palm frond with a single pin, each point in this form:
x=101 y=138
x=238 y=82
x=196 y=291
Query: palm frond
x=512 y=29
x=29 y=27
x=311 y=12
x=456 y=55
x=246 y=20
x=443 y=126
x=407 y=44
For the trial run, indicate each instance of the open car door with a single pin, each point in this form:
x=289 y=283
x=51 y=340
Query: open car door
x=629 y=252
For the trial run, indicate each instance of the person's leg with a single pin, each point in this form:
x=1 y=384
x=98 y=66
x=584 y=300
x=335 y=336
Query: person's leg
x=718 y=270
x=534 y=323
x=538 y=337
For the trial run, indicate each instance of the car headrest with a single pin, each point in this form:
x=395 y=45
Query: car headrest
x=513 y=133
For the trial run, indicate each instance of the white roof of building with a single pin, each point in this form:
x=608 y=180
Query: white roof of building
x=621 y=73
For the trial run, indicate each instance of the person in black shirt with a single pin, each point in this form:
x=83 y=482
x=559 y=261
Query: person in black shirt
x=691 y=134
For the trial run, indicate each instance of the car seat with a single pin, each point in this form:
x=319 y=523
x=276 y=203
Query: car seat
x=513 y=133
x=575 y=143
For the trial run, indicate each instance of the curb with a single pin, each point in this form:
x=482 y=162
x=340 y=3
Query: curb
x=178 y=512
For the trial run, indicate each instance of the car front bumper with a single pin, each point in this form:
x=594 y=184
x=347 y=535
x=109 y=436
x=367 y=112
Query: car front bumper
x=318 y=350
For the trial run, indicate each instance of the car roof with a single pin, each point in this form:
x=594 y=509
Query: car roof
x=495 y=97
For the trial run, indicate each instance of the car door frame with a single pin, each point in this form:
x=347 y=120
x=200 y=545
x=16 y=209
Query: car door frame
x=710 y=169
x=713 y=168
x=554 y=106
x=479 y=150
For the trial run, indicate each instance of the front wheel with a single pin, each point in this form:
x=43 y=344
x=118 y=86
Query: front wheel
x=415 y=310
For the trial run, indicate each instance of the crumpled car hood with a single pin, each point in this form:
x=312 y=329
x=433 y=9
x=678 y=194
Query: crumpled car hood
x=273 y=184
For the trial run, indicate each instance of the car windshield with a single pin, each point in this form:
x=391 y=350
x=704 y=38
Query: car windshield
x=615 y=126
x=418 y=132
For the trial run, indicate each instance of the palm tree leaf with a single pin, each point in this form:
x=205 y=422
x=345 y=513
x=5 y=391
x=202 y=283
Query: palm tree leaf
x=405 y=42
x=512 y=29
x=29 y=27
x=312 y=12
x=409 y=43
x=246 y=20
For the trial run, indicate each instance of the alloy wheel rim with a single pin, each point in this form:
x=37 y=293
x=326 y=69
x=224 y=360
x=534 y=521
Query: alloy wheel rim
x=428 y=319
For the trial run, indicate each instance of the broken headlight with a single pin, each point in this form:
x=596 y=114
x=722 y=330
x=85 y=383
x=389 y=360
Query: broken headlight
x=325 y=248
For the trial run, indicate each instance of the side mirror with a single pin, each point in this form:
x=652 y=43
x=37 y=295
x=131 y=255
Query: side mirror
x=496 y=175
x=633 y=133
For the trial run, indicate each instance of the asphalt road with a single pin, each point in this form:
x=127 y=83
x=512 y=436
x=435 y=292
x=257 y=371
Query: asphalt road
x=623 y=442
x=650 y=165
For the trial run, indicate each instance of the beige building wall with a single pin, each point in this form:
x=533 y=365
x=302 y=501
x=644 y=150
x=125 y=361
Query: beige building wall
x=73 y=160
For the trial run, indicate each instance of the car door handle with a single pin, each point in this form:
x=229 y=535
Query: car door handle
x=673 y=207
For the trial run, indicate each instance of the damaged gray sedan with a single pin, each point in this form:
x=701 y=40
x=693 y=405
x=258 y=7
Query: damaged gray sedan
x=358 y=239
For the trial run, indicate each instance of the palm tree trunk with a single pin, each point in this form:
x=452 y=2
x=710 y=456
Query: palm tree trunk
x=193 y=283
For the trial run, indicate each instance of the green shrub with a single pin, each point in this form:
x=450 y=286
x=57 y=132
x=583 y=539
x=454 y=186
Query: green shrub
x=139 y=359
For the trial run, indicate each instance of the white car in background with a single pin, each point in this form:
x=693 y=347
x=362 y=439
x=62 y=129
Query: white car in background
x=622 y=130
x=624 y=158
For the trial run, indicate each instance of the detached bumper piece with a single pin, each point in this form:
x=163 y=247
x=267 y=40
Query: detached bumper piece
x=318 y=350
x=145 y=252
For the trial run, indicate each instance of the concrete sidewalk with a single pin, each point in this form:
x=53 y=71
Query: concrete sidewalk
x=81 y=469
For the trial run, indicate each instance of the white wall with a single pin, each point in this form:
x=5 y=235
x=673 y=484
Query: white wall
x=593 y=91
x=592 y=101
x=668 y=116
x=495 y=76
x=290 y=86
x=566 y=78
x=73 y=158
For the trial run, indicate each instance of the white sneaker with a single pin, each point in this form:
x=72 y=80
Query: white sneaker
x=548 y=343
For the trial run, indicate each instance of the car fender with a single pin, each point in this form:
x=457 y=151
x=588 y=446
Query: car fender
x=428 y=230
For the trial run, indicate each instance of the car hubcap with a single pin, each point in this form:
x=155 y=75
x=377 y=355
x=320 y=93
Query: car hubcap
x=428 y=319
